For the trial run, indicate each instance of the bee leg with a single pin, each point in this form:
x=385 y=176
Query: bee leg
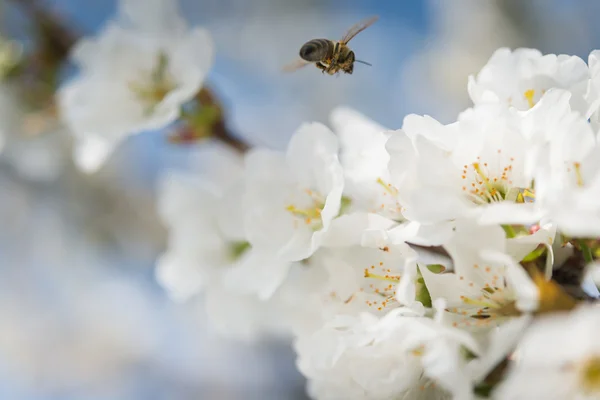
x=350 y=63
x=321 y=67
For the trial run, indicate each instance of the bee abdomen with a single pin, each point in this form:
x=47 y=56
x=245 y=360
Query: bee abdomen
x=317 y=50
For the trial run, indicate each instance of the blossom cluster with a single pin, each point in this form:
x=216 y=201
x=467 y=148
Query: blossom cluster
x=433 y=261
x=329 y=239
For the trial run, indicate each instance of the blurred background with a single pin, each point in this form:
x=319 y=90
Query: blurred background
x=81 y=314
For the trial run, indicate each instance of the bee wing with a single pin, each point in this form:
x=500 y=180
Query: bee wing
x=358 y=28
x=293 y=66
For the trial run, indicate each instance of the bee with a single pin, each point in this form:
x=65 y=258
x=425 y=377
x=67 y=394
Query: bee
x=331 y=56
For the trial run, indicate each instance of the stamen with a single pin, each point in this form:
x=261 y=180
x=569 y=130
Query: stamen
x=387 y=187
x=529 y=96
x=578 y=175
x=485 y=179
x=479 y=303
x=388 y=278
x=306 y=213
x=154 y=85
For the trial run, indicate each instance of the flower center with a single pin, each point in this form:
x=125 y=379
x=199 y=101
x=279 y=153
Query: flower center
x=311 y=213
x=389 y=201
x=590 y=375
x=153 y=86
x=484 y=188
x=520 y=195
x=237 y=249
x=383 y=283
x=484 y=184
x=494 y=302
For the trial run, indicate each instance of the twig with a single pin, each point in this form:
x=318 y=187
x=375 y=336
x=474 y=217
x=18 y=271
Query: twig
x=220 y=130
x=57 y=35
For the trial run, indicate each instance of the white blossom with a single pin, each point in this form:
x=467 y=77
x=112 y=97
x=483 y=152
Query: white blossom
x=207 y=243
x=291 y=199
x=134 y=76
x=366 y=357
x=365 y=161
x=328 y=241
x=474 y=168
x=521 y=77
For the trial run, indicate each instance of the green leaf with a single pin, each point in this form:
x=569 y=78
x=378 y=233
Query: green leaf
x=535 y=254
x=422 y=293
x=346 y=203
x=237 y=249
x=436 y=268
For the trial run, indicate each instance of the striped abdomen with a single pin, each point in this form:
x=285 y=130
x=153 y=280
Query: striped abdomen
x=317 y=50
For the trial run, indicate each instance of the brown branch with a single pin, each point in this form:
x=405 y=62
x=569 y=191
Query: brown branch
x=54 y=32
x=220 y=130
x=223 y=134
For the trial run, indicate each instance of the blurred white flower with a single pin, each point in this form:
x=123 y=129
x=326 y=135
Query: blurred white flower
x=366 y=357
x=134 y=76
x=365 y=161
x=292 y=198
x=558 y=358
x=207 y=242
x=31 y=140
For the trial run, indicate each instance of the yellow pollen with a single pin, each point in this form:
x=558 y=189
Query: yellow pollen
x=529 y=96
x=578 y=174
x=155 y=84
x=484 y=178
x=387 y=187
x=590 y=375
x=418 y=352
x=307 y=214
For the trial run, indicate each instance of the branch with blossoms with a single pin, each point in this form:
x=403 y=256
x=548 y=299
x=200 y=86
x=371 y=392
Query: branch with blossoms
x=324 y=242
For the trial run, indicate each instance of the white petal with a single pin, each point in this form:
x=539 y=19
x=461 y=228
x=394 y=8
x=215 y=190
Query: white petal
x=91 y=152
x=259 y=273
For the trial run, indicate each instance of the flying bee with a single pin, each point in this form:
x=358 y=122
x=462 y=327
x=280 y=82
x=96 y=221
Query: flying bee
x=331 y=56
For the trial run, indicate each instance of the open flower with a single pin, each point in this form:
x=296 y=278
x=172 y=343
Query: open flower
x=291 y=198
x=468 y=169
x=347 y=281
x=487 y=287
x=134 y=76
x=207 y=242
x=520 y=78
